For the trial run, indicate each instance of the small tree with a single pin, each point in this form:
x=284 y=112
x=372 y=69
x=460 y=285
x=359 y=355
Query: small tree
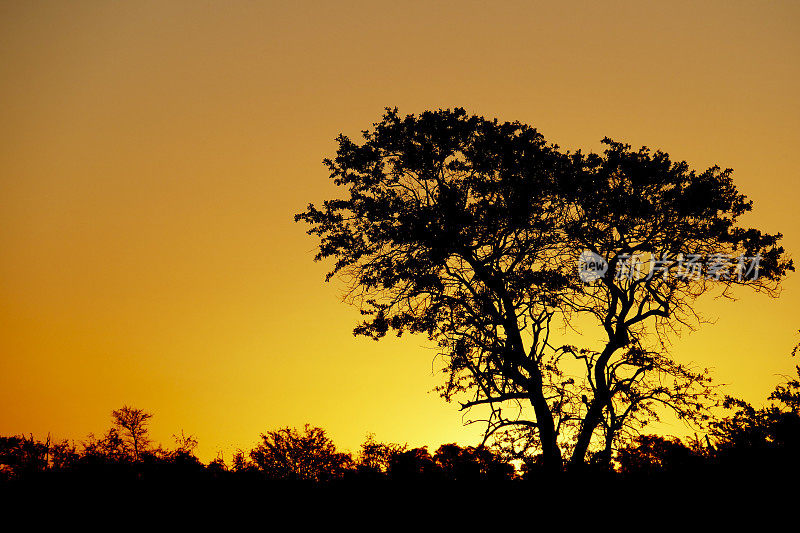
x=652 y=454
x=414 y=464
x=185 y=444
x=376 y=457
x=22 y=455
x=132 y=426
x=469 y=463
x=109 y=448
x=308 y=455
x=776 y=425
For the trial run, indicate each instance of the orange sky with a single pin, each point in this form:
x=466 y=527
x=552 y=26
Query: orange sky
x=152 y=155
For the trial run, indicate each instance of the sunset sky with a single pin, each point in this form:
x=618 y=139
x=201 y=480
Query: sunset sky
x=152 y=155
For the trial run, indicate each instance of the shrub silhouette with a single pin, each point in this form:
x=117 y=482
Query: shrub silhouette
x=307 y=455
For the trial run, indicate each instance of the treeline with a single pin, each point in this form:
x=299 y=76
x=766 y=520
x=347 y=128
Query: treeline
x=749 y=442
x=304 y=454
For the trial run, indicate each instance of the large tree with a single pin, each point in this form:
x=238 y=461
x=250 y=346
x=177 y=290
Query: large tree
x=468 y=230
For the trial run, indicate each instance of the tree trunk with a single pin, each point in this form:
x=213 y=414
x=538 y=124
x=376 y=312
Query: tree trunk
x=551 y=453
x=601 y=398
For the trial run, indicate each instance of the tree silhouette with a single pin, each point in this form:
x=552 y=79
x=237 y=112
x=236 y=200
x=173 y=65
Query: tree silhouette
x=21 y=454
x=653 y=454
x=131 y=423
x=471 y=464
x=415 y=464
x=764 y=438
x=375 y=458
x=184 y=443
x=307 y=455
x=468 y=230
x=110 y=448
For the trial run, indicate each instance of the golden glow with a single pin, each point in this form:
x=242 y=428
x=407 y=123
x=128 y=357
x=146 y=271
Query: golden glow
x=152 y=155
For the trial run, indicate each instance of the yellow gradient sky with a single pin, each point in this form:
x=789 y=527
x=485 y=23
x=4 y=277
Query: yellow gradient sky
x=152 y=155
